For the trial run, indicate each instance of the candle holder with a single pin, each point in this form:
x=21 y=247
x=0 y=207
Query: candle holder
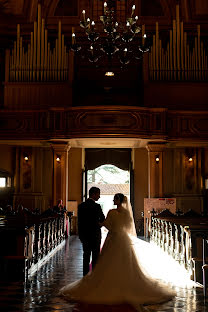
x=125 y=41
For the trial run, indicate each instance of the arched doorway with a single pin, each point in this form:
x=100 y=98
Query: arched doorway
x=111 y=180
x=110 y=169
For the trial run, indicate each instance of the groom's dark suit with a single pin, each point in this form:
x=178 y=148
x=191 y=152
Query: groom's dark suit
x=89 y=216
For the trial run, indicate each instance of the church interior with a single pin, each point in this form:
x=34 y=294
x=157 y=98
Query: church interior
x=76 y=94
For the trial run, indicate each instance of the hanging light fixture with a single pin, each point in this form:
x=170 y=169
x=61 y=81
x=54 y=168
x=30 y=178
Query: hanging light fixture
x=124 y=41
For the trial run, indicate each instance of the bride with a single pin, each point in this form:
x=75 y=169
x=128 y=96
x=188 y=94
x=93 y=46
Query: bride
x=117 y=277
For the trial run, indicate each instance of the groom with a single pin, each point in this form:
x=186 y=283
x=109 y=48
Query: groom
x=89 y=216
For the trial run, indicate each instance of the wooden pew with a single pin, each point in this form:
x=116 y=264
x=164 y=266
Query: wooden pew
x=182 y=236
x=26 y=246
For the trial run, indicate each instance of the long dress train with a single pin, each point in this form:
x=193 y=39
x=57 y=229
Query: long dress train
x=117 y=277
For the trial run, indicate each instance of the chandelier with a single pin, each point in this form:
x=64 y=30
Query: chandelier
x=116 y=40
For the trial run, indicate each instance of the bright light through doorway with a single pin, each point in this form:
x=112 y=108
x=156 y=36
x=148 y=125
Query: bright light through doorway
x=111 y=180
x=2 y=182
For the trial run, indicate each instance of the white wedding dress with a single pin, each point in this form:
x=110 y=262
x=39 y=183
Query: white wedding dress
x=117 y=277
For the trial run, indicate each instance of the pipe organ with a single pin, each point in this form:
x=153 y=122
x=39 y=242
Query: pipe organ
x=181 y=59
x=39 y=61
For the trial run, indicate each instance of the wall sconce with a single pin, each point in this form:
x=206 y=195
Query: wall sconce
x=189 y=154
x=206 y=183
x=26 y=157
x=157 y=159
x=58 y=158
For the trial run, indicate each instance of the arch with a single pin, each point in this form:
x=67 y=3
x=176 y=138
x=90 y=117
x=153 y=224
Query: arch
x=66 y=8
x=30 y=10
x=151 y=8
x=110 y=179
x=50 y=7
x=61 y=7
x=119 y=157
x=5 y=173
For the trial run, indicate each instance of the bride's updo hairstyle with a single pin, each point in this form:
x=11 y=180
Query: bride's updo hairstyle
x=121 y=197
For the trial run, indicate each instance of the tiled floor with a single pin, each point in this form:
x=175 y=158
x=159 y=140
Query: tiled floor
x=40 y=292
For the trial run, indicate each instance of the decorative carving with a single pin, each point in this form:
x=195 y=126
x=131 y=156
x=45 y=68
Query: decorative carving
x=192 y=214
x=26 y=171
x=187 y=125
x=122 y=121
x=96 y=119
x=5 y=6
x=165 y=214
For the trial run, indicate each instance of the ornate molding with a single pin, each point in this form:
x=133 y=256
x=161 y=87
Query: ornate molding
x=61 y=147
x=156 y=147
x=105 y=121
x=187 y=125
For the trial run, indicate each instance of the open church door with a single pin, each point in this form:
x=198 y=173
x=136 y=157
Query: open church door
x=84 y=184
x=109 y=170
x=131 y=170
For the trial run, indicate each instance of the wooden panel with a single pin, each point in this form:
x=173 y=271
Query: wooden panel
x=179 y=96
x=201 y=7
x=37 y=95
x=74 y=122
x=187 y=125
x=103 y=121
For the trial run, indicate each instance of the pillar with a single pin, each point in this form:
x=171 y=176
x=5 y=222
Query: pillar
x=60 y=172
x=205 y=184
x=155 y=169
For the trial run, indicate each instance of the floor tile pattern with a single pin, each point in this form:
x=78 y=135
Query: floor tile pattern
x=40 y=292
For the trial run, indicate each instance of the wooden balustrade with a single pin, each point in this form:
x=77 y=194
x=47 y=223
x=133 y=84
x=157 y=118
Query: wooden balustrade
x=42 y=239
x=182 y=238
x=29 y=246
x=176 y=251
x=36 y=247
x=26 y=246
x=53 y=233
x=47 y=237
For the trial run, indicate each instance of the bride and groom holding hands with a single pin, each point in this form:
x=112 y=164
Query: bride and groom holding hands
x=116 y=277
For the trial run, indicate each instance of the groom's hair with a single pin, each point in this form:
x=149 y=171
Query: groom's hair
x=93 y=190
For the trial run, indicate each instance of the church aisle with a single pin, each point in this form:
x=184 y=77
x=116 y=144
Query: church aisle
x=40 y=293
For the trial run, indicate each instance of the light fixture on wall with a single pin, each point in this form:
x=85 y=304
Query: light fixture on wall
x=206 y=183
x=58 y=158
x=157 y=159
x=125 y=41
x=189 y=155
x=26 y=157
x=109 y=74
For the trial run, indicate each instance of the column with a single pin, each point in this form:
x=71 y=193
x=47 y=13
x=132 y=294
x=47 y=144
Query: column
x=155 y=169
x=31 y=176
x=205 y=184
x=60 y=172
